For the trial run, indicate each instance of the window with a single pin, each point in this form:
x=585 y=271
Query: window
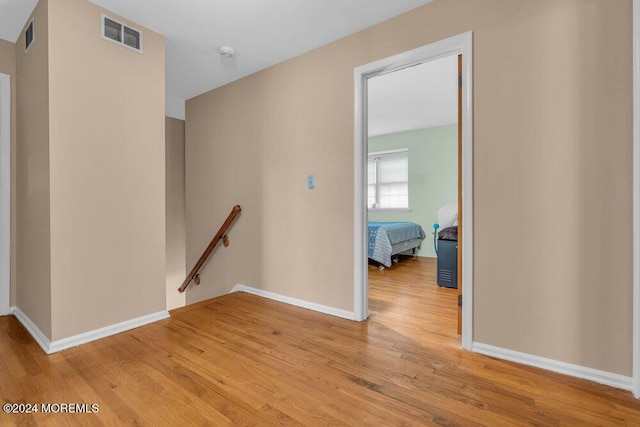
x=388 y=180
x=121 y=34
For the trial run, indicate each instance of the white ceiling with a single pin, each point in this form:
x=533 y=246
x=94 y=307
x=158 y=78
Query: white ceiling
x=13 y=16
x=263 y=33
x=419 y=97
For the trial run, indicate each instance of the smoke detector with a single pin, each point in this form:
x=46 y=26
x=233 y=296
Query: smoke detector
x=227 y=52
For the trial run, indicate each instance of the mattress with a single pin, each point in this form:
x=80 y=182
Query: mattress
x=390 y=238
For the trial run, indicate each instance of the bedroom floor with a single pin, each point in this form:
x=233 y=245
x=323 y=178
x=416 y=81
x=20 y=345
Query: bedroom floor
x=407 y=298
x=244 y=360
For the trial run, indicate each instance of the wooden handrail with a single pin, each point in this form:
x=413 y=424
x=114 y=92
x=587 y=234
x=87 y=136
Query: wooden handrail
x=193 y=275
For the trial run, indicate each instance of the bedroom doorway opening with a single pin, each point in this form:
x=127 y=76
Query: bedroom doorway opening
x=390 y=163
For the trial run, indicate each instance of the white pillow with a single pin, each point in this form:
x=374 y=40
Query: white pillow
x=448 y=215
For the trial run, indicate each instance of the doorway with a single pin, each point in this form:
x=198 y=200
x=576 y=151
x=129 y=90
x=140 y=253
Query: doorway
x=458 y=45
x=5 y=193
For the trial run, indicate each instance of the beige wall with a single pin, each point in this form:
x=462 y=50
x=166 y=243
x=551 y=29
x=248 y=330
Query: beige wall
x=175 y=227
x=8 y=66
x=33 y=290
x=552 y=172
x=224 y=167
x=107 y=146
x=557 y=121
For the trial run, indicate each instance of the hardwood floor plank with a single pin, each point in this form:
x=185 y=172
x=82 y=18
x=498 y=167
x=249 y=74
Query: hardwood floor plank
x=244 y=360
x=242 y=374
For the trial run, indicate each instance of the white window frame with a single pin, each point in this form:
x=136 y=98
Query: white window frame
x=383 y=154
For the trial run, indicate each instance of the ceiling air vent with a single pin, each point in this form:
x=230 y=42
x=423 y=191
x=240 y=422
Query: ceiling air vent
x=117 y=32
x=28 y=35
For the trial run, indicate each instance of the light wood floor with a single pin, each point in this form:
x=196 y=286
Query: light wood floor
x=240 y=359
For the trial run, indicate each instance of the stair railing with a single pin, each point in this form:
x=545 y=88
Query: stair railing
x=221 y=234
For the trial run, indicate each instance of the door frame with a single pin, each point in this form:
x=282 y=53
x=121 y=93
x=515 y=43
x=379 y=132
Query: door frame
x=636 y=199
x=5 y=193
x=460 y=44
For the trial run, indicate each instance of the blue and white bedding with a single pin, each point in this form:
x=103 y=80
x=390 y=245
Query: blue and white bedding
x=390 y=238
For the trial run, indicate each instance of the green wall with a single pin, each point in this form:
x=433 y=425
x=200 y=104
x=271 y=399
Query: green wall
x=433 y=175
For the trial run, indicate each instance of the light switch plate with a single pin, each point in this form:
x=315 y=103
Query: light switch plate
x=311 y=182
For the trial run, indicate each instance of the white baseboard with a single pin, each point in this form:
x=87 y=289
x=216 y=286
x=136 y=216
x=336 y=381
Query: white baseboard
x=35 y=332
x=85 y=337
x=602 y=377
x=296 y=302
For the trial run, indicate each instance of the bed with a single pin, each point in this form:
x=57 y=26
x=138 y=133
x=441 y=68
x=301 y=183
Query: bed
x=387 y=239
